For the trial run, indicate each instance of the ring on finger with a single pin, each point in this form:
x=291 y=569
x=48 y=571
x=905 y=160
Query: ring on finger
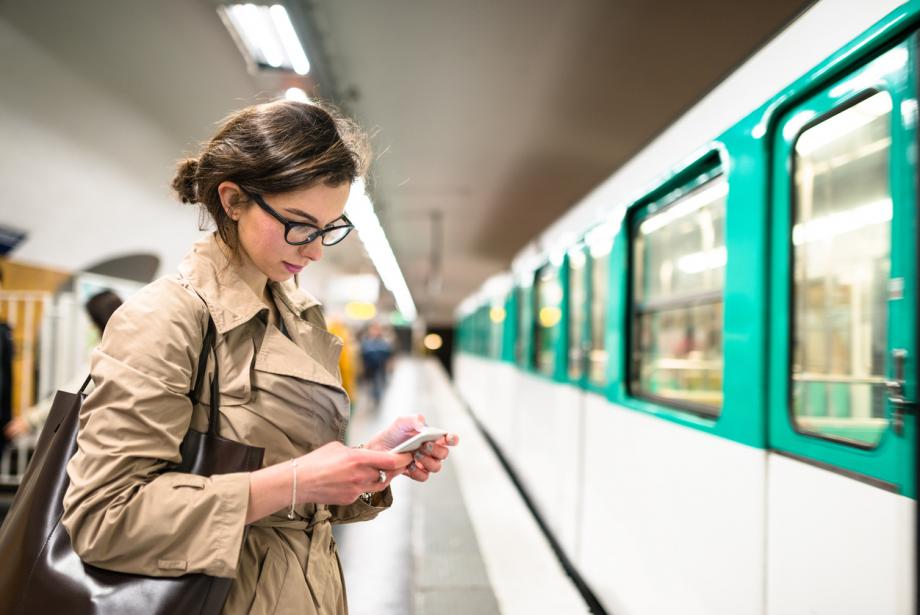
x=381 y=476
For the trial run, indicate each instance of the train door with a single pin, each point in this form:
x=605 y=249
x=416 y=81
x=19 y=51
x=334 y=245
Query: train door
x=843 y=350
x=577 y=292
x=589 y=351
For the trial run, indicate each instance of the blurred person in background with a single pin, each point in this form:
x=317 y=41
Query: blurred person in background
x=100 y=308
x=376 y=351
x=347 y=360
x=6 y=372
x=274 y=179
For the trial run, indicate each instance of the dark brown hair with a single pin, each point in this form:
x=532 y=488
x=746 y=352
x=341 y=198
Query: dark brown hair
x=101 y=306
x=269 y=148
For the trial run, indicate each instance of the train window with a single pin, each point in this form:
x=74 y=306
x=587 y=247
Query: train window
x=548 y=313
x=578 y=306
x=600 y=242
x=496 y=321
x=520 y=322
x=679 y=261
x=841 y=252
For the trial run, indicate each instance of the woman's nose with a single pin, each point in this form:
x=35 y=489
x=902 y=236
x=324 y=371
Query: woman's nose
x=312 y=250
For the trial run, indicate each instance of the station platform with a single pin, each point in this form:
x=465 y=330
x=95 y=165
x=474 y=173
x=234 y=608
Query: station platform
x=463 y=542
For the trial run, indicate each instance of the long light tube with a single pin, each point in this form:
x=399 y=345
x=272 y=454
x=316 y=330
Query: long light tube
x=266 y=36
x=841 y=222
x=262 y=35
x=289 y=40
x=684 y=207
x=360 y=210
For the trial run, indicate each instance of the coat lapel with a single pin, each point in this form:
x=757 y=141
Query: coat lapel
x=304 y=359
x=311 y=353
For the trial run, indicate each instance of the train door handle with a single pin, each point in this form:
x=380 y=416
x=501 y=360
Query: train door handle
x=900 y=404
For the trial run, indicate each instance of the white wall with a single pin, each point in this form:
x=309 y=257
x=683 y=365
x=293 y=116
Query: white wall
x=86 y=174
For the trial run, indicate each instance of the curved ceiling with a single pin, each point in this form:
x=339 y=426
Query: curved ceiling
x=492 y=117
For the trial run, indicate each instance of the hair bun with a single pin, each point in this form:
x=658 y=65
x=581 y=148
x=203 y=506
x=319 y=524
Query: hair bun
x=186 y=181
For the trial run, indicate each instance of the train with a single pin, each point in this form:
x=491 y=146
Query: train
x=704 y=375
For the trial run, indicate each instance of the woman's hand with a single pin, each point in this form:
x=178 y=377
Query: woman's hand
x=427 y=459
x=398 y=432
x=337 y=474
x=332 y=474
x=429 y=456
x=16 y=428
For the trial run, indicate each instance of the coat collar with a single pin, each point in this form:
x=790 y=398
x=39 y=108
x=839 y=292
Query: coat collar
x=229 y=299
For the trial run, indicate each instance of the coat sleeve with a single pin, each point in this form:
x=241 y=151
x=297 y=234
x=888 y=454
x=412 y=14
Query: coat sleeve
x=122 y=510
x=360 y=511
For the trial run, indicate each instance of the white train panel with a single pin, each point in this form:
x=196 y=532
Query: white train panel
x=836 y=546
x=673 y=518
x=546 y=449
x=537 y=424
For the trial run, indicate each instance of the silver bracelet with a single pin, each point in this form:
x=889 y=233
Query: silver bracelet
x=293 y=488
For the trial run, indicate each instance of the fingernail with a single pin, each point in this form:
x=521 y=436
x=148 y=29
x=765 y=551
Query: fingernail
x=453 y=440
x=429 y=447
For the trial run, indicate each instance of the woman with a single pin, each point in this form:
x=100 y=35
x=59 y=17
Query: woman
x=274 y=179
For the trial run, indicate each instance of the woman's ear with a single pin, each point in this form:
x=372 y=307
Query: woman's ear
x=231 y=197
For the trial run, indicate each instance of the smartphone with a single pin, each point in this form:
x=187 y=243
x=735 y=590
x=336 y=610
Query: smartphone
x=429 y=434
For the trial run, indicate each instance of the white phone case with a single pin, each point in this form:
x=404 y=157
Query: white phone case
x=429 y=435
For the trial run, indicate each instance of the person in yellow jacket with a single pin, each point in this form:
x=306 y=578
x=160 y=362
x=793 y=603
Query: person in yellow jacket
x=275 y=179
x=347 y=366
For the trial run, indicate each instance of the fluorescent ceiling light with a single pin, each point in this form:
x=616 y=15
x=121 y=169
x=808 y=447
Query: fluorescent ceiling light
x=698 y=262
x=289 y=40
x=265 y=36
x=297 y=94
x=843 y=124
x=685 y=206
x=360 y=211
x=841 y=222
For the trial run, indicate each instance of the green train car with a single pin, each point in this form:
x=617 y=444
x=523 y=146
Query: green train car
x=705 y=375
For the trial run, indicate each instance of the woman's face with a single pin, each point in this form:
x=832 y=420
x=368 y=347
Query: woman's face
x=261 y=236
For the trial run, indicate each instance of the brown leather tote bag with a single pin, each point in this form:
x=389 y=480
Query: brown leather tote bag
x=39 y=571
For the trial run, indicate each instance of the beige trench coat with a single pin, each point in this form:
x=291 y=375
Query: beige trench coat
x=279 y=391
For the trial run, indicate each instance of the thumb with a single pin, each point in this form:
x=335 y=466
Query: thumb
x=410 y=425
x=385 y=461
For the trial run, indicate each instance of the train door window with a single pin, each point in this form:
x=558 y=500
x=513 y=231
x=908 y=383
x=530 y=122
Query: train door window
x=521 y=325
x=841 y=261
x=547 y=317
x=600 y=243
x=577 y=312
x=488 y=332
x=496 y=328
x=678 y=260
x=843 y=337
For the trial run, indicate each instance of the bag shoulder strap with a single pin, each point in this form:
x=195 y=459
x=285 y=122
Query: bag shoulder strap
x=194 y=393
x=89 y=378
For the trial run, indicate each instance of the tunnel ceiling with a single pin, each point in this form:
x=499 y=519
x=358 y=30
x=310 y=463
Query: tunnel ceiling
x=499 y=115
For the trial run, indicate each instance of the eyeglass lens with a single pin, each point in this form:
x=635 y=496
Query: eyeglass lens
x=305 y=234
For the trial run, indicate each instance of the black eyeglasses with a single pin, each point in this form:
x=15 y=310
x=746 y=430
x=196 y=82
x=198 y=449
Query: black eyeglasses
x=300 y=233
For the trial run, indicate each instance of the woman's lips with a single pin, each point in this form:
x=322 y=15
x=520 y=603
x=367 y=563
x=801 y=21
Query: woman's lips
x=292 y=268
